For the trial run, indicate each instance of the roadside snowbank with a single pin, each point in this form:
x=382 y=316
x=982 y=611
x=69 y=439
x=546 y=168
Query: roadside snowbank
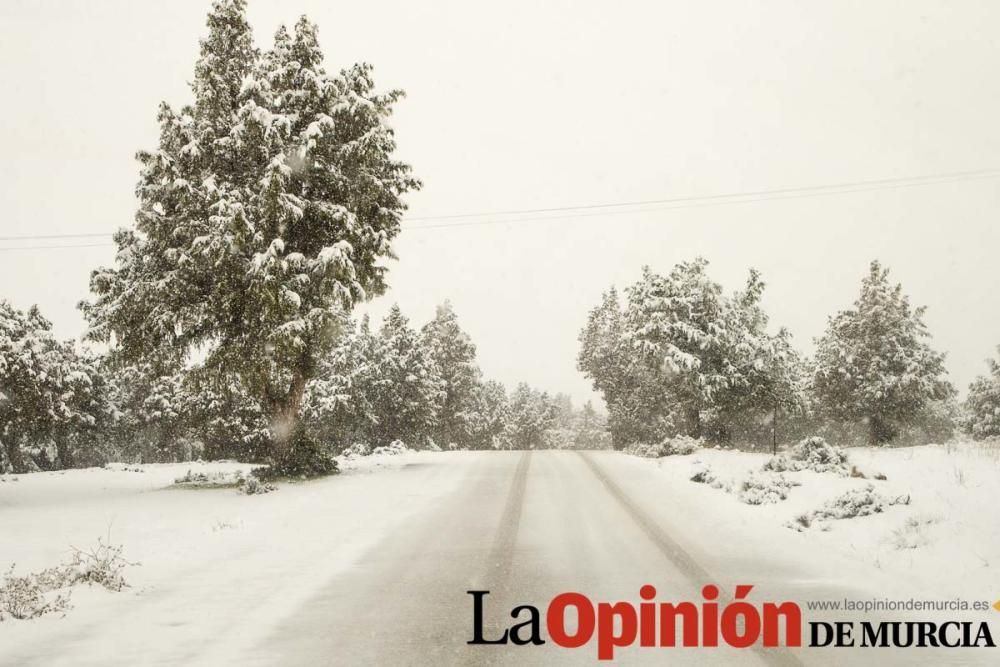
x=936 y=533
x=207 y=554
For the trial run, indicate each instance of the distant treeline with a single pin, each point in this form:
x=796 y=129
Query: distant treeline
x=680 y=357
x=61 y=407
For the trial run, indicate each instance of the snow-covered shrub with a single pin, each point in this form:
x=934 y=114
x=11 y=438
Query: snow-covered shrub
x=208 y=479
x=31 y=595
x=680 y=445
x=45 y=592
x=759 y=490
x=677 y=445
x=356 y=450
x=102 y=565
x=862 y=501
x=811 y=454
x=308 y=458
x=703 y=474
x=395 y=448
x=643 y=450
x=252 y=486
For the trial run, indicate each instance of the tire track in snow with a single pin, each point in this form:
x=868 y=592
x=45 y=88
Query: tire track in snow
x=681 y=559
x=501 y=556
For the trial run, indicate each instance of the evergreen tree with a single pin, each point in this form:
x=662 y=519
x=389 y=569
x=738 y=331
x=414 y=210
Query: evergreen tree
x=983 y=404
x=487 y=416
x=873 y=362
x=155 y=420
x=263 y=216
x=51 y=396
x=591 y=429
x=454 y=354
x=340 y=401
x=638 y=408
x=407 y=391
x=685 y=358
x=531 y=415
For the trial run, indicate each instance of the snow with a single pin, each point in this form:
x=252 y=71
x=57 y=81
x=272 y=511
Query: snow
x=945 y=543
x=212 y=556
x=207 y=555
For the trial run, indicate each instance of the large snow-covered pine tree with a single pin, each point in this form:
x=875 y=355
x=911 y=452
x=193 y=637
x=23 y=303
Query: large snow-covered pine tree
x=264 y=213
x=873 y=364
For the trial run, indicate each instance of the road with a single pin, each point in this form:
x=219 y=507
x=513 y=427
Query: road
x=373 y=567
x=525 y=526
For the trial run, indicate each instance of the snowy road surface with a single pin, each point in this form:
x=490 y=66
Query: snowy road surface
x=374 y=569
x=525 y=526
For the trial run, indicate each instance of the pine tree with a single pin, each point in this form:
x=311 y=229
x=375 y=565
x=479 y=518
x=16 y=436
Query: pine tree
x=591 y=429
x=263 y=216
x=488 y=416
x=531 y=414
x=873 y=362
x=638 y=409
x=454 y=354
x=155 y=413
x=50 y=394
x=983 y=404
x=407 y=390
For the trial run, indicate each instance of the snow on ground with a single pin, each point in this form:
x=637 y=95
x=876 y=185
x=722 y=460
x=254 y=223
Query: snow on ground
x=218 y=567
x=945 y=543
x=205 y=553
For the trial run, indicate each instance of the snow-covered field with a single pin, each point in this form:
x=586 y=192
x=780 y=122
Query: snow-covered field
x=207 y=556
x=941 y=541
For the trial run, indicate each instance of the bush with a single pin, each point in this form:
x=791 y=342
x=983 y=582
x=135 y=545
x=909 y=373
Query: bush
x=643 y=450
x=102 y=565
x=863 y=501
x=675 y=446
x=252 y=486
x=811 y=454
x=306 y=459
x=29 y=596
x=38 y=593
x=681 y=445
x=356 y=450
x=209 y=479
x=395 y=448
x=703 y=474
x=756 y=490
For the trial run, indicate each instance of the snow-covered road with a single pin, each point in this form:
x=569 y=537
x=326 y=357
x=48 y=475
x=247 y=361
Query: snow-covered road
x=374 y=569
x=525 y=526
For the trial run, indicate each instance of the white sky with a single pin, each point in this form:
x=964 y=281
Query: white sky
x=525 y=104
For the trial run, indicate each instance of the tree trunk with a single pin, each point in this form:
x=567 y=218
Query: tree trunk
x=694 y=417
x=64 y=456
x=881 y=430
x=285 y=418
x=14 y=456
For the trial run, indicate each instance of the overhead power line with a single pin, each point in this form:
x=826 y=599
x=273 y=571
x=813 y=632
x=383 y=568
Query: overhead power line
x=55 y=247
x=916 y=180
x=605 y=208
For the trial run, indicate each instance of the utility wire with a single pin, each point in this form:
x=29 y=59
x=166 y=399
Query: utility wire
x=960 y=175
x=609 y=208
x=54 y=247
x=690 y=204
